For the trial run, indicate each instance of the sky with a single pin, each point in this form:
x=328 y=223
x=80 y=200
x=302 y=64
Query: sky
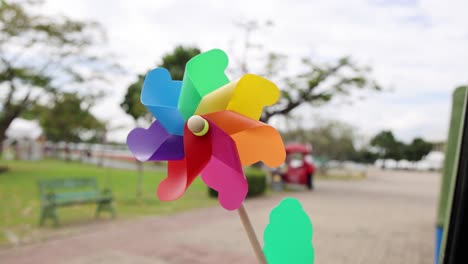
x=418 y=50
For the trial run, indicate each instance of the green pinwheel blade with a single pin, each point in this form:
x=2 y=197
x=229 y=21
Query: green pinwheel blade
x=288 y=236
x=204 y=73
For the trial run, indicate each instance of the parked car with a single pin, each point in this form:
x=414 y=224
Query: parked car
x=299 y=166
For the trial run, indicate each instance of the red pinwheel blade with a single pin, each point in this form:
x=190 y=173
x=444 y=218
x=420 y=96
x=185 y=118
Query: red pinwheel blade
x=223 y=172
x=174 y=186
x=181 y=173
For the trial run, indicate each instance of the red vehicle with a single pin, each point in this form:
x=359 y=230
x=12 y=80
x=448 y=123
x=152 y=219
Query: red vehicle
x=299 y=166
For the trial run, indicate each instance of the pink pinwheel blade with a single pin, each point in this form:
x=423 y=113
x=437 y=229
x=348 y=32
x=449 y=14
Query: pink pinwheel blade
x=155 y=143
x=224 y=172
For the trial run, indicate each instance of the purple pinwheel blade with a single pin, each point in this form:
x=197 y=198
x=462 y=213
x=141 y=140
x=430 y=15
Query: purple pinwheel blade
x=155 y=143
x=171 y=149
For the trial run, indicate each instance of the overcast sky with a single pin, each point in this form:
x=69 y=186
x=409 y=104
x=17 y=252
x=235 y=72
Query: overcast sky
x=418 y=49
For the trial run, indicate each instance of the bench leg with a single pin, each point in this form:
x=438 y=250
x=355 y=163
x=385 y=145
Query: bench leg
x=43 y=217
x=105 y=206
x=49 y=212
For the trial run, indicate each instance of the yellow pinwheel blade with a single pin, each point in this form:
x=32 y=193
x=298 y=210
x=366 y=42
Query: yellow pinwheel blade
x=246 y=96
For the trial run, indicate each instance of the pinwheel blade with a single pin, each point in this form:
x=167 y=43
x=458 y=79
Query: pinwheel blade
x=174 y=186
x=160 y=95
x=223 y=172
x=181 y=173
x=255 y=141
x=204 y=73
x=246 y=96
x=155 y=143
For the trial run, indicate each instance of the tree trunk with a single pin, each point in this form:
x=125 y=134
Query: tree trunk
x=5 y=122
x=2 y=138
x=10 y=112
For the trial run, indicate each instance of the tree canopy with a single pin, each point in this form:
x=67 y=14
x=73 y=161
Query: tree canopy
x=68 y=119
x=417 y=149
x=336 y=140
x=41 y=56
x=388 y=147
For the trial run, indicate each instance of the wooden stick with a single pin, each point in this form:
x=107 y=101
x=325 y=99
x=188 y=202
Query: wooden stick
x=251 y=234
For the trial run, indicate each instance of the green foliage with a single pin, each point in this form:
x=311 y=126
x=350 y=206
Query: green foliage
x=390 y=148
x=335 y=140
x=19 y=197
x=132 y=104
x=40 y=54
x=175 y=62
x=417 y=149
x=67 y=119
x=256 y=178
x=365 y=156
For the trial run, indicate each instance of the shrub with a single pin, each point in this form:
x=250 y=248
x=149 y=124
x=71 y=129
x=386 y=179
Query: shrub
x=256 y=178
x=3 y=169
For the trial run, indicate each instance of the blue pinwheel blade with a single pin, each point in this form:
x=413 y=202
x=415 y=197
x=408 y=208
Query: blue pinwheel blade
x=160 y=95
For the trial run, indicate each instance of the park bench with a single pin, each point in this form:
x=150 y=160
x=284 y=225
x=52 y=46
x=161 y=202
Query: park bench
x=56 y=193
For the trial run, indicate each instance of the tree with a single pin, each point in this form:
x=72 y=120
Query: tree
x=40 y=54
x=388 y=147
x=330 y=139
x=365 y=156
x=68 y=119
x=175 y=62
x=318 y=84
x=132 y=104
x=417 y=149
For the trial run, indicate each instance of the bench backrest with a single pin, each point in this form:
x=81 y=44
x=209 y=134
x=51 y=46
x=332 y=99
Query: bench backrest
x=56 y=186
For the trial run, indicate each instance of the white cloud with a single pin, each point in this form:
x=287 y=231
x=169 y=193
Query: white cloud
x=416 y=47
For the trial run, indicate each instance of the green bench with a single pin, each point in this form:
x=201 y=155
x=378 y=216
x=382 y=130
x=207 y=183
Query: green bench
x=56 y=193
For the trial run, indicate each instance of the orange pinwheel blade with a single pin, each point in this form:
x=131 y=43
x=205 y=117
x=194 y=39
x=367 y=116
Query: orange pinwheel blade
x=255 y=141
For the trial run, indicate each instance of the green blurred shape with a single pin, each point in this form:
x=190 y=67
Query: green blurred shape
x=451 y=151
x=204 y=73
x=288 y=236
x=449 y=174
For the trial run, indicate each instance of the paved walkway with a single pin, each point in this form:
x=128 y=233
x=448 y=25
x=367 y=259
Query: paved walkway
x=387 y=218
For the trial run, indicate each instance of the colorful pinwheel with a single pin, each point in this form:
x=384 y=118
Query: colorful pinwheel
x=206 y=124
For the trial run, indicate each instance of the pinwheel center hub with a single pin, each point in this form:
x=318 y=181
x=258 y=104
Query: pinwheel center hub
x=198 y=125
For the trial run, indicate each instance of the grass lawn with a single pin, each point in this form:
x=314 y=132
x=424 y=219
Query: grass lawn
x=341 y=177
x=19 y=197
